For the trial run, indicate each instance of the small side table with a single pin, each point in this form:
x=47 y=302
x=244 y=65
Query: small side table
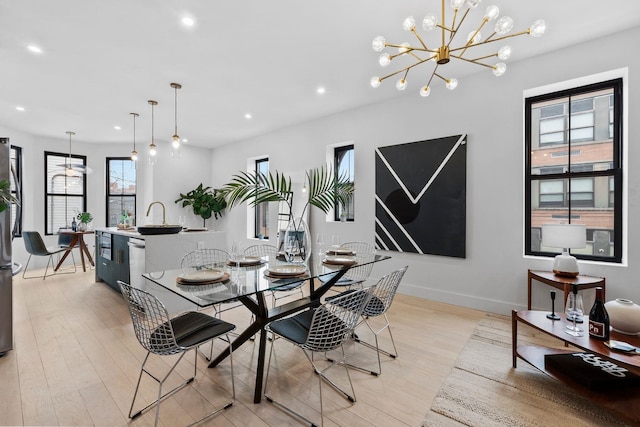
x=564 y=283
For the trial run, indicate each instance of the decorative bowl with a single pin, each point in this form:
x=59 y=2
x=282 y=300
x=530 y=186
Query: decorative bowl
x=624 y=316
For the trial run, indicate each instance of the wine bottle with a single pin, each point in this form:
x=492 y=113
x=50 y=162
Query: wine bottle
x=599 y=318
x=74 y=225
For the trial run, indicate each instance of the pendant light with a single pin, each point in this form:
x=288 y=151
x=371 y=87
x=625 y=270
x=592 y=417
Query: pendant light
x=176 y=138
x=134 y=153
x=152 y=146
x=68 y=170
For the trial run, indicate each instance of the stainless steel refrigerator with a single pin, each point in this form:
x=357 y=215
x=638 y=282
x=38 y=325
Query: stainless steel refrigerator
x=6 y=265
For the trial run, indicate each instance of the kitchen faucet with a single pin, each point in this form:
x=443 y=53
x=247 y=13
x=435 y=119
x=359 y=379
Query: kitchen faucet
x=164 y=222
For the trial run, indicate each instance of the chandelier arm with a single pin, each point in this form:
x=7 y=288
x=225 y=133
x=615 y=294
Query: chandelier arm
x=439 y=76
x=399 y=46
x=405 y=69
x=432 y=74
x=415 y=33
x=508 y=36
x=454 y=30
x=470 y=41
x=475 y=61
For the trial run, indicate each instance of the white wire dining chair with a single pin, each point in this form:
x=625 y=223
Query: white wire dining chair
x=358 y=274
x=381 y=299
x=323 y=329
x=164 y=336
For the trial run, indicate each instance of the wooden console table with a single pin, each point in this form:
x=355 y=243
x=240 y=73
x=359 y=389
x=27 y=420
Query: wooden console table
x=623 y=402
x=564 y=284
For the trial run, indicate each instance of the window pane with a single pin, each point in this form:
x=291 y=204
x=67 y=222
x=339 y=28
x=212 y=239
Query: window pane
x=579 y=135
x=261 y=226
x=552 y=125
x=121 y=191
x=551 y=187
x=65 y=190
x=584 y=184
x=581 y=120
x=344 y=158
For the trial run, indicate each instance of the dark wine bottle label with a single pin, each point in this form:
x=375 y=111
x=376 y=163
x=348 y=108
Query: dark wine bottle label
x=597 y=329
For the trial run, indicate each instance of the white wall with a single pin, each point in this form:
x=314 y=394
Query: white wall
x=490 y=110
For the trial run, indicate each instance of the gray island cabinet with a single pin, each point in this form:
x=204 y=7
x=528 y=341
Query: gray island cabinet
x=125 y=255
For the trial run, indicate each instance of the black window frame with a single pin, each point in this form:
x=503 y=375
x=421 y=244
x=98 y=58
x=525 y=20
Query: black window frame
x=261 y=211
x=46 y=187
x=615 y=170
x=108 y=190
x=16 y=188
x=338 y=154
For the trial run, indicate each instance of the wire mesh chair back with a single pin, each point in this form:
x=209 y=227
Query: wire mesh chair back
x=365 y=253
x=333 y=322
x=383 y=294
x=269 y=252
x=203 y=259
x=151 y=321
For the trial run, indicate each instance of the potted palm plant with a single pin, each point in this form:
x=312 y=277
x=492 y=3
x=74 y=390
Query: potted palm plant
x=6 y=198
x=324 y=189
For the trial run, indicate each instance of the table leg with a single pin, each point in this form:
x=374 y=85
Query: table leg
x=73 y=243
x=514 y=337
x=529 y=290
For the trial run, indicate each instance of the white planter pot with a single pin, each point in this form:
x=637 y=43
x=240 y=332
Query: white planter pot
x=624 y=316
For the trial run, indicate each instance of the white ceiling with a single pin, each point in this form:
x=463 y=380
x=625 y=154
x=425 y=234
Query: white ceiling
x=102 y=60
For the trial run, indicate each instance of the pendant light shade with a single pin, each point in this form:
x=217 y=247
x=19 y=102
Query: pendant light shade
x=71 y=169
x=134 y=153
x=152 y=147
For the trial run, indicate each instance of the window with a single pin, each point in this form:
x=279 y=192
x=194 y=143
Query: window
x=16 y=188
x=574 y=167
x=261 y=225
x=344 y=166
x=121 y=190
x=66 y=192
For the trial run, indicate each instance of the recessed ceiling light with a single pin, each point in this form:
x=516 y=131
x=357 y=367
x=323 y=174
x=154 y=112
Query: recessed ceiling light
x=248 y=116
x=188 y=21
x=116 y=127
x=185 y=140
x=20 y=108
x=321 y=90
x=34 y=49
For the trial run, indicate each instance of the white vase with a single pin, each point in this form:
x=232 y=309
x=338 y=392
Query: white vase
x=297 y=240
x=624 y=316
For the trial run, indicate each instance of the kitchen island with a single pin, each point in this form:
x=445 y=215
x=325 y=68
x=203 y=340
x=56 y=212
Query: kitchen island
x=126 y=255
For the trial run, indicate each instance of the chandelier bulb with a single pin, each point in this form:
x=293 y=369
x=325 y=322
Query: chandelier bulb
x=378 y=43
x=457 y=4
x=409 y=24
x=491 y=13
x=375 y=81
x=425 y=91
x=134 y=155
x=474 y=37
x=503 y=25
x=537 y=28
x=384 y=60
x=401 y=84
x=499 y=69
x=404 y=48
x=504 y=53
x=473 y=3
x=176 y=141
x=452 y=83
x=429 y=22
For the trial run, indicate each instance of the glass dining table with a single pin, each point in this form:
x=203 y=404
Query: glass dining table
x=248 y=283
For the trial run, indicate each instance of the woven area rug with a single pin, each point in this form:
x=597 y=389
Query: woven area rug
x=484 y=390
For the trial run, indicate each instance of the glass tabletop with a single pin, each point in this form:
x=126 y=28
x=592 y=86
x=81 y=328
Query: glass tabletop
x=239 y=279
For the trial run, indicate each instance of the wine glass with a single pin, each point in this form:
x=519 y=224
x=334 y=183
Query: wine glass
x=237 y=253
x=182 y=220
x=574 y=310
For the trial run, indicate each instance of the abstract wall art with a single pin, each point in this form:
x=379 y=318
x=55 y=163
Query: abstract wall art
x=421 y=197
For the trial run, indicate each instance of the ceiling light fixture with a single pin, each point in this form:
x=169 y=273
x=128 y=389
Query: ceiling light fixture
x=20 y=108
x=152 y=146
x=445 y=52
x=188 y=21
x=134 y=153
x=71 y=169
x=176 y=138
x=34 y=49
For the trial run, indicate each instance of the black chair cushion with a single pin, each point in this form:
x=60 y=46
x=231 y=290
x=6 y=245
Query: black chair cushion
x=295 y=328
x=194 y=328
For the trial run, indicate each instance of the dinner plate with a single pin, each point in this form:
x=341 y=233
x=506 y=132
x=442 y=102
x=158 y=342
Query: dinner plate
x=287 y=270
x=187 y=229
x=339 y=260
x=340 y=251
x=202 y=276
x=246 y=261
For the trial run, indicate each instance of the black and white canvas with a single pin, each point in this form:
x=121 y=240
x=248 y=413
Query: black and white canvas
x=421 y=196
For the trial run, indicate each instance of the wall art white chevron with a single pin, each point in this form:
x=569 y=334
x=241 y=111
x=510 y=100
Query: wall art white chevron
x=421 y=196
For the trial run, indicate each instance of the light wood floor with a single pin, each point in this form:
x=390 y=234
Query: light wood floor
x=76 y=360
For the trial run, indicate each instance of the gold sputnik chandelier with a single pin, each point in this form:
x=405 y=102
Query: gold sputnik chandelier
x=441 y=55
